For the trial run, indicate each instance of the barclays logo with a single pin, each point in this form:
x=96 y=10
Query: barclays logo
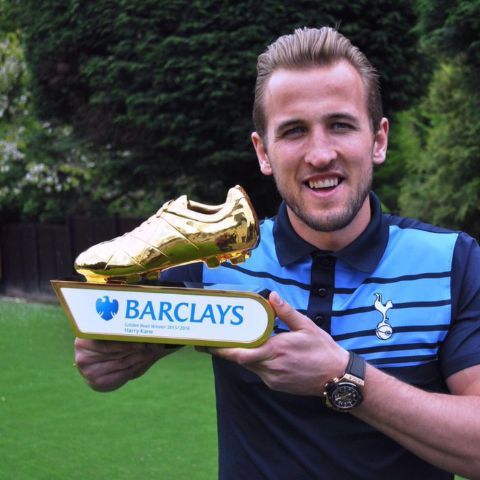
x=181 y=312
x=189 y=312
x=106 y=308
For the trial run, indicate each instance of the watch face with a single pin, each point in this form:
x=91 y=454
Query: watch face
x=344 y=396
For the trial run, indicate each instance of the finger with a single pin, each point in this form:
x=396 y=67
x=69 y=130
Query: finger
x=291 y=317
x=108 y=350
x=113 y=373
x=106 y=346
x=107 y=382
x=101 y=355
x=243 y=356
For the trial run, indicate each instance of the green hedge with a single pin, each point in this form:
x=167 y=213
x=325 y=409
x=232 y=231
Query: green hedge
x=171 y=82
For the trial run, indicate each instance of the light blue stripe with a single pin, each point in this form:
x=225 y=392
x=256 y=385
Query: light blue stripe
x=403 y=338
x=416 y=252
x=424 y=290
x=400 y=353
x=403 y=364
x=405 y=317
x=346 y=277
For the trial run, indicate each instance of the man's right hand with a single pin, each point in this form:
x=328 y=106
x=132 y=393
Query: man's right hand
x=107 y=365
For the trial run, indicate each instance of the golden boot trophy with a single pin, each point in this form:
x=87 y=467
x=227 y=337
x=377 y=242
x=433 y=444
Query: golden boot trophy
x=181 y=232
x=110 y=306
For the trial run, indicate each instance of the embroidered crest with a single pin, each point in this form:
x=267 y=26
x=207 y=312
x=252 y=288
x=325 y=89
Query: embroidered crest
x=384 y=330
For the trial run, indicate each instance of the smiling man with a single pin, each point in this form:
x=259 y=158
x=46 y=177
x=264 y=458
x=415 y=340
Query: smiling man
x=320 y=145
x=374 y=368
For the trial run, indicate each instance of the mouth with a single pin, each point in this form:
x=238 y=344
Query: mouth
x=324 y=184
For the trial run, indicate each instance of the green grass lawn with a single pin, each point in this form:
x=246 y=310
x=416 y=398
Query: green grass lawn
x=52 y=426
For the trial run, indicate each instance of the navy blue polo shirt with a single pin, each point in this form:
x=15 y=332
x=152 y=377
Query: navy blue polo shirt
x=404 y=295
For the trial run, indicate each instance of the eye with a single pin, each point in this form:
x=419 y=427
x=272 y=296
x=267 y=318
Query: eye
x=342 y=126
x=294 y=132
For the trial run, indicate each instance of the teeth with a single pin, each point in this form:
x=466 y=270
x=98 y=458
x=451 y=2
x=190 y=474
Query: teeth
x=330 y=182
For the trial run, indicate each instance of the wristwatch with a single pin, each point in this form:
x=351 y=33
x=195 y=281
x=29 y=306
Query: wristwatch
x=345 y=393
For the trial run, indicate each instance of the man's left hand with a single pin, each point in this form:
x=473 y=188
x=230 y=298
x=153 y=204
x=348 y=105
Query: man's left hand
x=300 y=361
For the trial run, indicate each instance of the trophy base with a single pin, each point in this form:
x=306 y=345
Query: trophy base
x=169 y=315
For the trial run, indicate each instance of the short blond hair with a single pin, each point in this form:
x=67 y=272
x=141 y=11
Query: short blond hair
x=308 y=47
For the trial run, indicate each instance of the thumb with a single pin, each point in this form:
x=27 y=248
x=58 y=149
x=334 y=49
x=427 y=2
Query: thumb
x=285 y=312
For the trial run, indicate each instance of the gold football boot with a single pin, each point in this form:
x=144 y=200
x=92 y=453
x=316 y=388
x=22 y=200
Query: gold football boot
x=181 y=232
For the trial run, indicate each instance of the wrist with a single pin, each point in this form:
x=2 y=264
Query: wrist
x=342 y=363
x=345 y=392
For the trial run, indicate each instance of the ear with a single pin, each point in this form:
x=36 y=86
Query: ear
x=262 y=155
x=381 y=143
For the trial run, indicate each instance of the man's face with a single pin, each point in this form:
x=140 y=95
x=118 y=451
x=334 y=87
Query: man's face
x=319 y=145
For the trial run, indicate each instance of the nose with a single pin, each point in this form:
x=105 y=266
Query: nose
x=321 y=149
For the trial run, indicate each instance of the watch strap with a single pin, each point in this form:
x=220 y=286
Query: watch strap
x=353 y=378
x=356 y=366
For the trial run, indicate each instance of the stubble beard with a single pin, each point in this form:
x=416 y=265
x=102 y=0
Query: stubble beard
x=329 y=221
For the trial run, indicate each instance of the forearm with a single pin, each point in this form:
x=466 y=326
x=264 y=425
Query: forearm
x=442 y=429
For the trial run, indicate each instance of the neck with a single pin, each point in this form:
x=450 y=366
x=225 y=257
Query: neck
x=338 y=239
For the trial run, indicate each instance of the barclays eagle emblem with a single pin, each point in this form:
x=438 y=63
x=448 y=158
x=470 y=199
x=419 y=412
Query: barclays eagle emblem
x=105 y=308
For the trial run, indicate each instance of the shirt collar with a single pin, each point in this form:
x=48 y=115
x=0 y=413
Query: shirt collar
x=362 y=254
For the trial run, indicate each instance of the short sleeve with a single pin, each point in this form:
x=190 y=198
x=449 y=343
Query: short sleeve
x=461 y=348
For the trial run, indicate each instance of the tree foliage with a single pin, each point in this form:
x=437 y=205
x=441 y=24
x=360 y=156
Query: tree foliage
x=451 y=28
x=443 y=184
x=443 y=181
x=45 y=171
x=171 y=82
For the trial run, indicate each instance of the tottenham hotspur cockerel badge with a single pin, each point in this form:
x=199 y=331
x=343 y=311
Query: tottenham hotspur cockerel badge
x=384 y=330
